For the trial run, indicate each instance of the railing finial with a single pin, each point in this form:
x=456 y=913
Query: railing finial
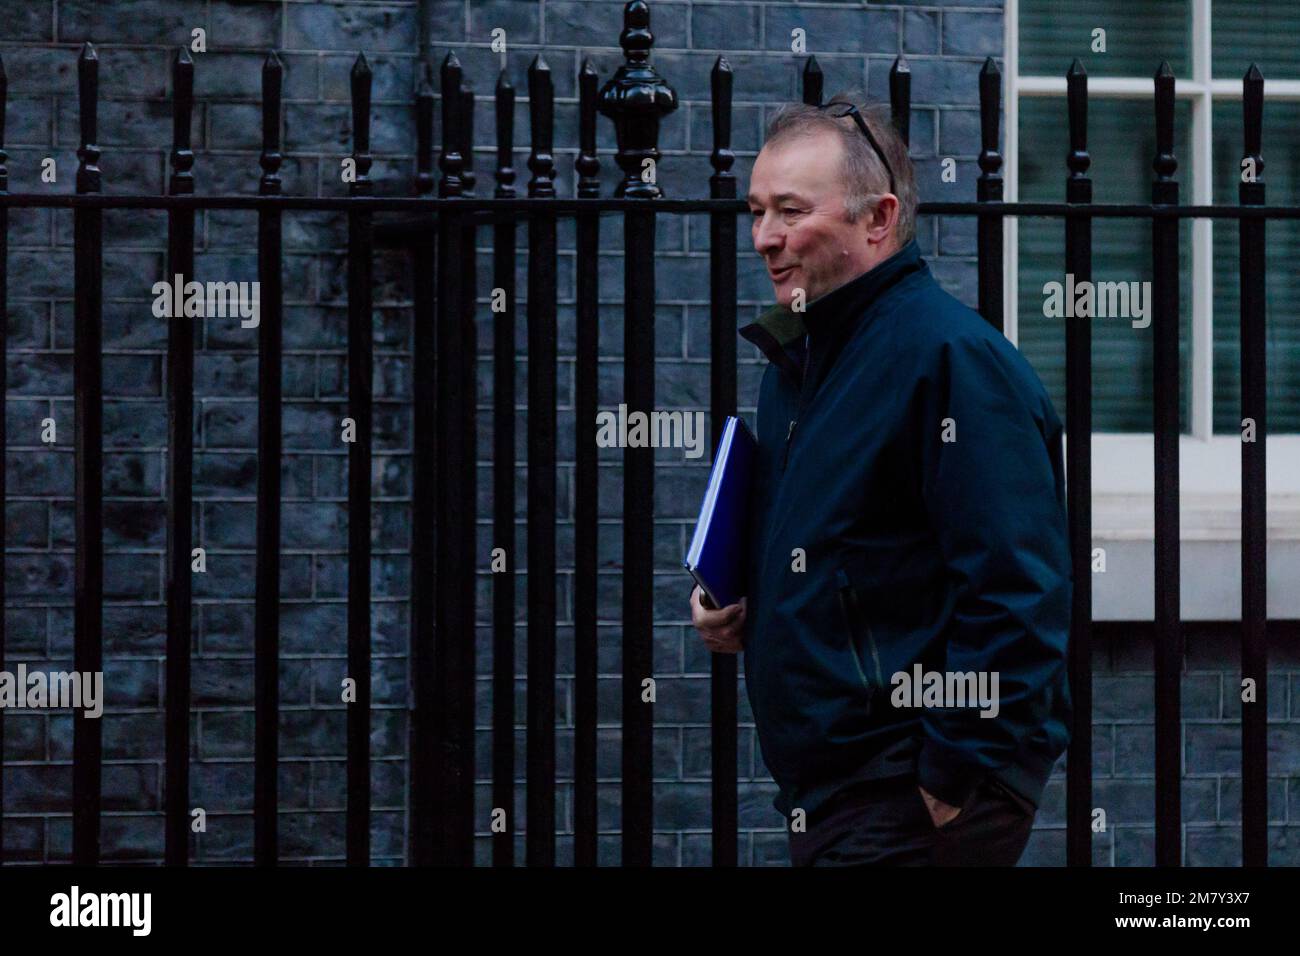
x=541 y=118
x=424 y=133
x=4 y=154
x=1165 y=163
x=88 y=176
x=722 y=158
x=1252 y=108
x=361 y=81
x=182 y=178
x=451 y=161
x=467 y=177
x=505 y=109
x=587 y=165
x=636 y=39
x=900 y=99
x=1076 y=87
x=272 y=83
x=990 y=160
x=813 y=82
x=636 y=98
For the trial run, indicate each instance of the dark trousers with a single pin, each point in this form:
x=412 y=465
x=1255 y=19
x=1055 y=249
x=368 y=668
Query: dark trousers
x=886 y=823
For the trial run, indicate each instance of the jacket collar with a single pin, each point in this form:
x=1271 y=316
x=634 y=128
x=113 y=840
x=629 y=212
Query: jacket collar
x=778 y=330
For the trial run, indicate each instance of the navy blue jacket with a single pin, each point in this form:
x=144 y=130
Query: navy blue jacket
x=914 y=457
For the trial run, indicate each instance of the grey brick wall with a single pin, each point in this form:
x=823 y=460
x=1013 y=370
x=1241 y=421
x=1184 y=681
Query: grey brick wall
x=136 y=41
x=1123 y=750
x=855 y=45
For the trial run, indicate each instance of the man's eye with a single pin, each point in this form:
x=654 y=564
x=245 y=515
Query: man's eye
x=790 y=210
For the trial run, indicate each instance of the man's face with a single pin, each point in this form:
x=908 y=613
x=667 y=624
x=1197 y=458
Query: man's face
x=796 y=196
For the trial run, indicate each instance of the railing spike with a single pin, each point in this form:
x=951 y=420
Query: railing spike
x=587 y=165
x=468 y=178
x=451 y=162
x=722 y=81
x=1076 y=85
x=272 y=83
x=424 y=134
x=1165 y=163
x=541 y=117
x=505 y=116
x=88 y=175
x=182 y=179
x=361 y=83
x=900 y=99
x=4 y=164
x=813 y=82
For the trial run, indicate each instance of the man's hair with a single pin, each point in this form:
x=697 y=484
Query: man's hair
x=865 y=177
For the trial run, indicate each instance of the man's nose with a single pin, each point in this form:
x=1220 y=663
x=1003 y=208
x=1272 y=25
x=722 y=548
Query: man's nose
x=767 y=236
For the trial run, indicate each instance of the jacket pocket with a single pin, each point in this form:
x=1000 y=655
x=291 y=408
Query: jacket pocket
x=855 y=624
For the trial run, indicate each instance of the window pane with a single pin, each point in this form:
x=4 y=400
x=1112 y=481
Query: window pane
x=1121 y=140
x=1138 y=36
x=1263 y=32
x=1281 y=152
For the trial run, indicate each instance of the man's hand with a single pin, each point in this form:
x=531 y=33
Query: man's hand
x=940 y=812
x=723 y=630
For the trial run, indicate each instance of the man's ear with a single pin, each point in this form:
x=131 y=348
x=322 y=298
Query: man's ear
x=884 y=218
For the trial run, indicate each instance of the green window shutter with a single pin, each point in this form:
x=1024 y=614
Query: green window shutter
x=1138 y=36
x=1263 y=32
x=1121 y=142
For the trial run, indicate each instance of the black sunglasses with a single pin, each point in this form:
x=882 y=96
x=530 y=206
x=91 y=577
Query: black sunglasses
x=848 y=109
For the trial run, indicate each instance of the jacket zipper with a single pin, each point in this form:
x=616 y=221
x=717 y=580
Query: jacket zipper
x=849 y=600
x=853 y=651
x=785 y=455
x=803 y=384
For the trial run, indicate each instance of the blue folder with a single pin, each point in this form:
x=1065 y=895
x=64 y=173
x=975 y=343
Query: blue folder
x=720 y=547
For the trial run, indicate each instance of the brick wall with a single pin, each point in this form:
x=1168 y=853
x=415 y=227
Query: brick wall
x=1123 y=751
x=136 y=41
x=855 y=46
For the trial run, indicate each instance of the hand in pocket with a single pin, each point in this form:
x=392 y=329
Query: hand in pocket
x=940 y=813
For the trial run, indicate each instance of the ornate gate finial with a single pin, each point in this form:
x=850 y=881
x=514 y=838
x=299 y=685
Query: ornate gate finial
x=635 y=98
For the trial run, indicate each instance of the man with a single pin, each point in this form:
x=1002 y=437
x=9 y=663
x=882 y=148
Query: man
x=909 y=527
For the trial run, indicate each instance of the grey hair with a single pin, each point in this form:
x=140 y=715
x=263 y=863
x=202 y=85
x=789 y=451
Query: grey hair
x=865 y=177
